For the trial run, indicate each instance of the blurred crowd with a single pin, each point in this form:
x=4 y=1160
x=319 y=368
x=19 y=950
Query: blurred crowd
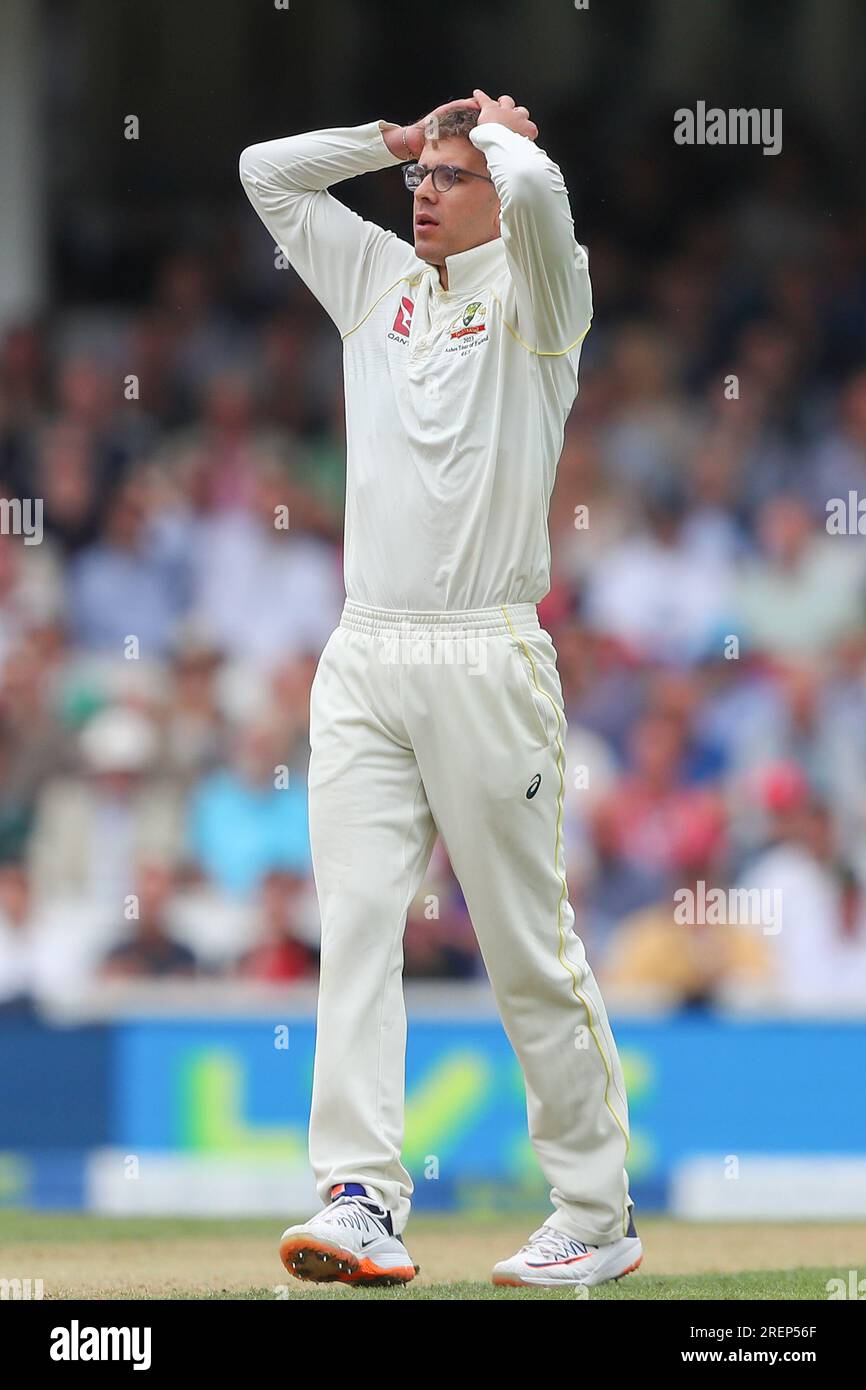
x=158 y=643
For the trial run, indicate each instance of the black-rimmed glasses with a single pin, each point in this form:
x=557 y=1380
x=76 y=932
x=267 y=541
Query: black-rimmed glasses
x=444 y=176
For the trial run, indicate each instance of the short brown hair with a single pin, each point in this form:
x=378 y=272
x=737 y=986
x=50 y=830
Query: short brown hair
x=457 y=122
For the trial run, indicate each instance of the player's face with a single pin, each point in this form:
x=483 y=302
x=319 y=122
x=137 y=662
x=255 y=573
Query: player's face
x=466 y=216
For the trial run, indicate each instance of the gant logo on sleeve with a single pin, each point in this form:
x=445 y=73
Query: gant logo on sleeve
x=402 y=319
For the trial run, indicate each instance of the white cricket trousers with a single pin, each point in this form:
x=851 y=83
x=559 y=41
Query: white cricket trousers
x=453 y=722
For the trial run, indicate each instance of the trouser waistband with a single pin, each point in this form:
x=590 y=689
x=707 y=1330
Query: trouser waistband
x=510 y=617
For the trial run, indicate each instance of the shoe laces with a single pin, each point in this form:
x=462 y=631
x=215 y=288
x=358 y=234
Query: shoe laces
x=354 y=1211
x=555 y=1245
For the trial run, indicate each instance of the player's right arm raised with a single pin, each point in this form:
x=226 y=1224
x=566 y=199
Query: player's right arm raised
x=345 y=261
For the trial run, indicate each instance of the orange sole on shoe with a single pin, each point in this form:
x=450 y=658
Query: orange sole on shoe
x=319 y=1262
x=504 y=1282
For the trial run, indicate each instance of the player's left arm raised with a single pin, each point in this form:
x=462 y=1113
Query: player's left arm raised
x=549 y=267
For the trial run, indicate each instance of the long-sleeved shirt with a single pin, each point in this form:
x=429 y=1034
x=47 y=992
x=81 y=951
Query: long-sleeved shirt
x=456 y=399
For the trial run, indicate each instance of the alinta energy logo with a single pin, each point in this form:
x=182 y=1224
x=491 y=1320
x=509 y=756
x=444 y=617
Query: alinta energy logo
x=737 y=126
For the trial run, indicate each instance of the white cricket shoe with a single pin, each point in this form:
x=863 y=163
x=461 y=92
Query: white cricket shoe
x=350 y=1241
x=553 y=1259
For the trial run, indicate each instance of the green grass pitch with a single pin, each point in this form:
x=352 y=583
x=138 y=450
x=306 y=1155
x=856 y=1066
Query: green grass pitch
x=80 y=1256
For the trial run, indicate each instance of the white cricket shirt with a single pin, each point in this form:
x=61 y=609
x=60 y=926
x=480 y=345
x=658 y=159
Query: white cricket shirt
x=456 y=400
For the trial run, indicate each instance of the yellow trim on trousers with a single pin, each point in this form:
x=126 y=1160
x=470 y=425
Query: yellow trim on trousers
x=560 y=764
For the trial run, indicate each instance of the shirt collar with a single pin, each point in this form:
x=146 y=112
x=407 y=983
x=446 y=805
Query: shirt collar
x=470 y=270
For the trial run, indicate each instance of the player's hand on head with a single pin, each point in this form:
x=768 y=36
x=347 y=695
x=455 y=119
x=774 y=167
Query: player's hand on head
x=409 y=140
x=506 y=112
x=419 y=132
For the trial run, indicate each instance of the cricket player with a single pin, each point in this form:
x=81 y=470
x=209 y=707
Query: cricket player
x=436 y=705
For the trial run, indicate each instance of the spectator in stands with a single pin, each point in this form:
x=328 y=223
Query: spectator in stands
x=818 y=958
x=34 y=745
x=651 y=807
x=47 y=955
x=279 y=954
x=805 y=590
x=265 y=589
x=839 y=460
x=91 y=829
x=250 y=818
x=650 y=593
x=74 y=496
x=150 y=950
x=676 y=951
x=439 y=942
x=197 y=730
x=18 y=953
x=132 y=582
x=31 y=594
